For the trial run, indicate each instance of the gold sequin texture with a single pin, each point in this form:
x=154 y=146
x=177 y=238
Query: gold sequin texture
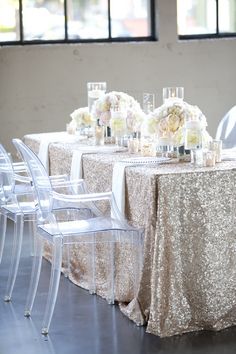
x=188 y=279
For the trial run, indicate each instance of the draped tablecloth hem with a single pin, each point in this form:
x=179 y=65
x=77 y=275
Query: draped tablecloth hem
x=216 y=327
x=133 y=311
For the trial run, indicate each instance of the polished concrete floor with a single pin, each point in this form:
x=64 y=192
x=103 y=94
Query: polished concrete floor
x=86 y=324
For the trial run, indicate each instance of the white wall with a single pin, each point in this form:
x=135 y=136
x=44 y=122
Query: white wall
x=41 y=85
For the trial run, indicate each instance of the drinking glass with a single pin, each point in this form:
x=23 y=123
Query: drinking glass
x=148 y=102
x=173 y=93
x=95 y=91
x=216 y=146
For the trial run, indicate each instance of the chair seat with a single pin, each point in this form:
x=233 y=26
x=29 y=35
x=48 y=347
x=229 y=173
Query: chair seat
x=76 y=227
x=25 y=208
x=23 y=188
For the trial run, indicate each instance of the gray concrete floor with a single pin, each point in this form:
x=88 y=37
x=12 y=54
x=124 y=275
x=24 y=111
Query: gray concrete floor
x=84 y=323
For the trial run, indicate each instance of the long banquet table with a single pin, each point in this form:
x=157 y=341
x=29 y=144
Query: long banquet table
x=188 y=280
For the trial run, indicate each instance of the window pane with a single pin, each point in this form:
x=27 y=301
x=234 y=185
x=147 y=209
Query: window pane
x=196 y=17
x=9 y=20
x=43 y=19
x=87 y=19
x=130 y=18
x=227 y=16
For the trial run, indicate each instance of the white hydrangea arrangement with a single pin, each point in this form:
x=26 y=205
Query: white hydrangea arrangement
x=168 y=121
x=81 y=118
x=134 y=114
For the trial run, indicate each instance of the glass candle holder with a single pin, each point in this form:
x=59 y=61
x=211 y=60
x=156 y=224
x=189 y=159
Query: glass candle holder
x=95 y=91
x=209 y=158
x=165 y=146
x=173 y=93
x=70 y=128
x=133 y=145
x=148 y=147
x=148 y=102
x=197 y=158
x=99 y=135
x=216 y=146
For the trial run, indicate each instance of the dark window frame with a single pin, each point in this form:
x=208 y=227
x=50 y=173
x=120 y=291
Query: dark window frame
x=66 y=40
x=217 y=34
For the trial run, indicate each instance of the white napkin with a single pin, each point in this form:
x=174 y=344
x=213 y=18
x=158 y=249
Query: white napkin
x=118 y=176
x=52 y=138
x=118 y=185
x=76 y=170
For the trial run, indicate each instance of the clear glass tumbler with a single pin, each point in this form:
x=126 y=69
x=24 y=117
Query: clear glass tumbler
x=148 y=102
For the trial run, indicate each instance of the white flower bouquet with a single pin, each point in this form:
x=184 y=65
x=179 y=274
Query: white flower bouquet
x=81 y=118
x=168 y=121
x=103 y=106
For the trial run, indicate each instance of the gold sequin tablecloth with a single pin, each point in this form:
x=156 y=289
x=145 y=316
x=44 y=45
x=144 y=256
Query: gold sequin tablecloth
x=188 y=279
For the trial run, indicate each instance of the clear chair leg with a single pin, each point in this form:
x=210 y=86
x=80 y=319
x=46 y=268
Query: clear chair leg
x=16 y=252
x=67 y=261
x=54 y=284
x=32 y=236
x=3 y=225
x=35 y=274
x=111 y=291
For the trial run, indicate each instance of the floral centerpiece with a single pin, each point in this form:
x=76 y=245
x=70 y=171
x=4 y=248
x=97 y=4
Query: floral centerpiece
x=133 y=113
x=167 y=122
x=81 y=118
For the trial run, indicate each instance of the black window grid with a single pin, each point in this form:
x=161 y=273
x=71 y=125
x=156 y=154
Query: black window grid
x=217 y=34
x=109 y=39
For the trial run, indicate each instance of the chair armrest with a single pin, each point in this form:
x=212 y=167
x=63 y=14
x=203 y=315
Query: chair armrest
x=23 y=190
x=59 y=178
x=19 y=166
x=23 y=179
x=91 y=197
x=66 y=183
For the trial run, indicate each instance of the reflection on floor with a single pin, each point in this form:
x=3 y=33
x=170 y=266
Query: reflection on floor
x=84 y=323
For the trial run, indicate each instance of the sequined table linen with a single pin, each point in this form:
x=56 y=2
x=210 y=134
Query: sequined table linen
x=188 y=280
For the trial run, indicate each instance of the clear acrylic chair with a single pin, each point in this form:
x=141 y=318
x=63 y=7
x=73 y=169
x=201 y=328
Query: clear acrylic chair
x=18 y=167
x=75 y=230
x=226 y=130
x=17 y=203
